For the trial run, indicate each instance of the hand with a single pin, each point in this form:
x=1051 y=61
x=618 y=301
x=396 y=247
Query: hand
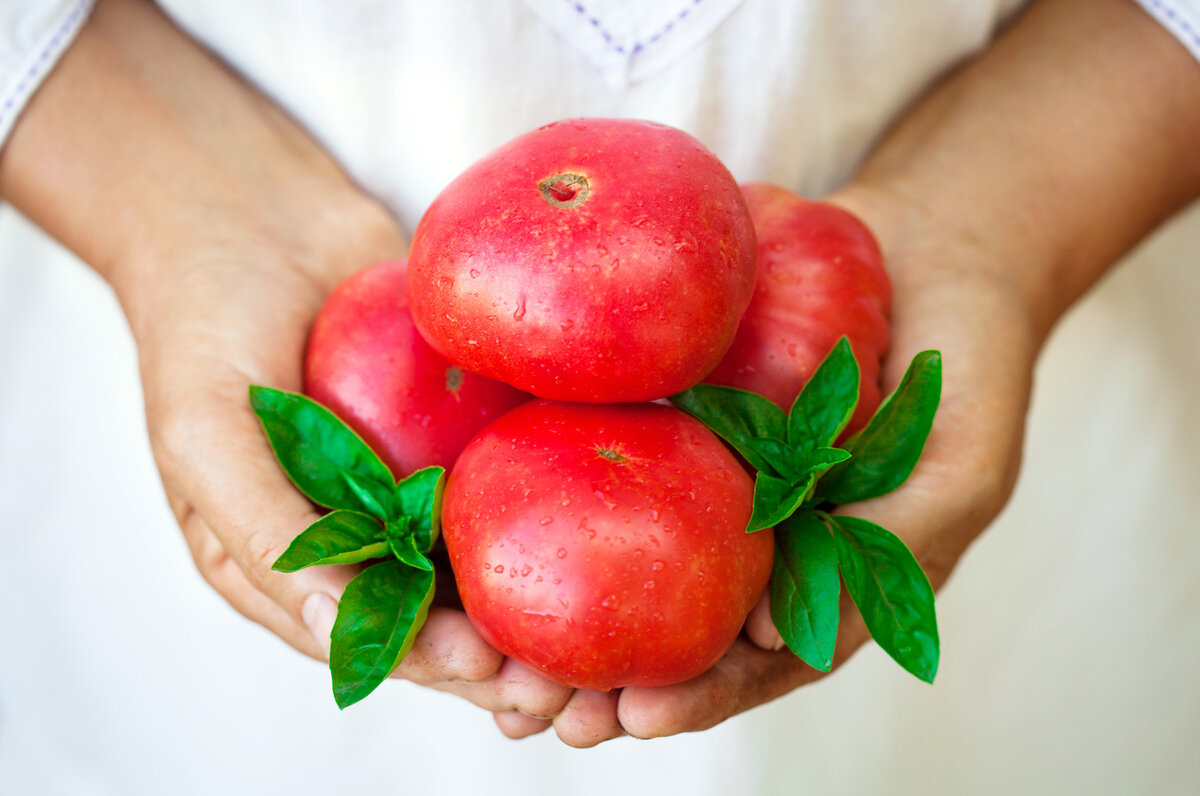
x=222 y=226
x=949 y=294
x=999 y=199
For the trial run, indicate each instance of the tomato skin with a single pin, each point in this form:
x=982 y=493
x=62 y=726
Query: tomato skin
x=604 y=546
x=646 y=276
x=366 y=362
x=820 y=276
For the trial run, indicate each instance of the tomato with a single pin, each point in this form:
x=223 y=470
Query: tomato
x=604 y=546
x=596 y=260
x=366 y=362
x=820 y=276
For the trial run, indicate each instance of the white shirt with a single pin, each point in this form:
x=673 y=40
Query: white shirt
x=1070 y=631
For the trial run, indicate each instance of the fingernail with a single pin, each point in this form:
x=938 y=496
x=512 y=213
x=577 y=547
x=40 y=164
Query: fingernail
x=318 y=612
x=778 y=645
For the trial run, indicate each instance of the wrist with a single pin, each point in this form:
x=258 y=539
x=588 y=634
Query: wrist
x=930 y=246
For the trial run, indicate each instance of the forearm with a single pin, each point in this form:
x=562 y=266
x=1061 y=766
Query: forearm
x=140 y=143
x=1060 y=148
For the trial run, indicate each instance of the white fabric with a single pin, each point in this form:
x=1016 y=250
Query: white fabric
x=1181 y=17
x=33 y=34
x=630 y=41
x=1071 y=636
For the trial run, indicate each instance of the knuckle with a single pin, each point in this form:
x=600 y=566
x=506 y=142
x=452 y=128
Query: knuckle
x=257 y=552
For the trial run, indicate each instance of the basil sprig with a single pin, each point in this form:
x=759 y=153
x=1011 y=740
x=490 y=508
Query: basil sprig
x=372 y=517
x=802 y=474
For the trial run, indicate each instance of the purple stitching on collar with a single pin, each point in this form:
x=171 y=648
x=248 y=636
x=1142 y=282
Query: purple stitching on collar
x=1183 y=26
x=40 y=62
x=638 y=46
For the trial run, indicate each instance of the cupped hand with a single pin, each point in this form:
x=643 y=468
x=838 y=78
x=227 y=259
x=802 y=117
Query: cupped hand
x=949 y=294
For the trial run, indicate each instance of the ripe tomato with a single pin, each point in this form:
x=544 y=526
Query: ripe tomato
x=582 y=250
x=604 y=546
x=366 y=362
x=820 y=276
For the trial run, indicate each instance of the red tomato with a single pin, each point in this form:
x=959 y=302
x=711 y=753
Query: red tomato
x=597 y=260
x=604 y=546
x=366 y=363
x=820 y=276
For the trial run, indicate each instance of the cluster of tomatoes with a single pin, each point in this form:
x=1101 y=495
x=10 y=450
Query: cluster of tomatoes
x=555 y=292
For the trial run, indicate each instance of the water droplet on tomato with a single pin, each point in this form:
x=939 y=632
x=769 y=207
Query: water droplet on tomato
x=546 y=520
x=658 y=566
x=648 y=585
x=608 y=502
x=612 y=602
x=498 y=569
x=562 y=552
x=474 y=273
x=520 y=311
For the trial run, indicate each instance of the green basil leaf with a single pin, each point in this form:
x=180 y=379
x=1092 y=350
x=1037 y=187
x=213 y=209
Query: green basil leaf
x=805 y=588
x=781 y=459
x=821 y=459
x=886 y=451
x=341 y=537
x=891 y=592
x=737 y=416
x=404 y=547
x=420 y=497
x=366 y=496
x=775 y=499
x=826 y=404
x=325 y=459
x=377 y=621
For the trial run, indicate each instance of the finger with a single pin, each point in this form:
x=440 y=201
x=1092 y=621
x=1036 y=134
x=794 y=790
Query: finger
x=760 y=627
x=224 y=575
x=515 y=724
x=214 y=458
x=745 y=678
x=448 y=649
x=515 y=687
x=589 y=718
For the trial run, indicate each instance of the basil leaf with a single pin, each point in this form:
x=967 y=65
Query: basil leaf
x=420 y=497
x=341 y=537
x=826 y=404
x=737 y=416
x=886 y=451
x=781 y=460
x=365 y=495
x=404 y=547
x=805 y=589
x=774 y=500
x=891 y=592
x=377 y=621
x=325 y=459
